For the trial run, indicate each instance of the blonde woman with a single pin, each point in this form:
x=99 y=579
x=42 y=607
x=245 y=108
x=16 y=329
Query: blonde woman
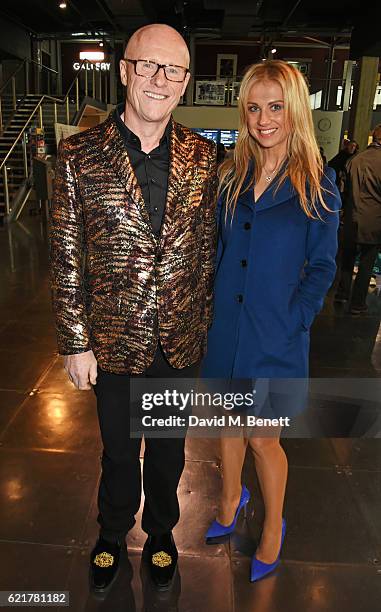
x=278 y=220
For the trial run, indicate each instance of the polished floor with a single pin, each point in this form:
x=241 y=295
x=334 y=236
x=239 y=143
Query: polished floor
x=50 y=461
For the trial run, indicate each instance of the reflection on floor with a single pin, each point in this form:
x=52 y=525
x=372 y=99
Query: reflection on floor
x=49 y=470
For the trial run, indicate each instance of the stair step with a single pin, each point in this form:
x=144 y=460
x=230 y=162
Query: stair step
x=14 y=176
x=14 y=183
x=15 y=180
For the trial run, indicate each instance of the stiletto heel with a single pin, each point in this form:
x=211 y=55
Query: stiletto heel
x=217 y=532
x=260 y=569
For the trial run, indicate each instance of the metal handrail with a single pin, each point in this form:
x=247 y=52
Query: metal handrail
x=42 y=66
x=12 y=76
x=25 y=61
x=43 y=98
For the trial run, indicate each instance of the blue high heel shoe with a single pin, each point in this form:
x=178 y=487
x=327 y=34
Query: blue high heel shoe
x=216 y=530
x=260 y=569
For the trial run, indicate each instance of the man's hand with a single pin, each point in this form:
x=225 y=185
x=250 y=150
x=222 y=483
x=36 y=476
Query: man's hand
x=81 y=369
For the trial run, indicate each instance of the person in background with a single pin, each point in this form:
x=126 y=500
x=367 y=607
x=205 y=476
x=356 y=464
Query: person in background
x=338 y=163
x=277 y=218
x=361 y=224
x=132 y=266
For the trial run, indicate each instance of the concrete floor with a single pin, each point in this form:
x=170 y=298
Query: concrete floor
x=50 y=462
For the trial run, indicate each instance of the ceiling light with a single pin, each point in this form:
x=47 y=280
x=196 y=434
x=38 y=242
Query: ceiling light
x=63 y=5
x=101 y=44
x=273 y=50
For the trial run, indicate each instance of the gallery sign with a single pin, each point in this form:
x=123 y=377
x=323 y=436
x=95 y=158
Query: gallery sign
x=94 y=61
x=99 y=66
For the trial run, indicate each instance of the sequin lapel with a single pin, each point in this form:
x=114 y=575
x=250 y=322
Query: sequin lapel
x=180 y=157
x=115 y=150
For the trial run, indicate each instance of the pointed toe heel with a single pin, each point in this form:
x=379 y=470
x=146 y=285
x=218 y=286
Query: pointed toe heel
x=218 y=533
x=259 y=569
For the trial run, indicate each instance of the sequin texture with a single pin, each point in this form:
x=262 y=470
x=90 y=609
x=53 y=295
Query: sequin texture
x=116 y=287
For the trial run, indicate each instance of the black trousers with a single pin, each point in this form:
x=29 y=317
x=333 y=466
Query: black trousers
x=368 y=254
x=120 y=486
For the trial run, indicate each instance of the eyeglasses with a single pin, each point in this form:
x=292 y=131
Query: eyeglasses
x=146 y=68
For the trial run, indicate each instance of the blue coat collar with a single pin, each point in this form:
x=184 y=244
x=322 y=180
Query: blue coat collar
x=269 y=198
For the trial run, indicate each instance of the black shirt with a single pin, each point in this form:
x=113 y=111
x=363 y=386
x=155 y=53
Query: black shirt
x=151 y=169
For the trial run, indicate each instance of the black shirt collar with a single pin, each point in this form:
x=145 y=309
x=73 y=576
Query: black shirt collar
x=132 y=139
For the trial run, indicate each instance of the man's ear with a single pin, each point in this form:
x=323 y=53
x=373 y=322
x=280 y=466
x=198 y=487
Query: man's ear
x=123 y=71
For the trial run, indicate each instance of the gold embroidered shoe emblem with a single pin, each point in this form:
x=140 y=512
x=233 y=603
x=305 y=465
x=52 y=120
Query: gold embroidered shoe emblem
x=161 y=559
x=104 y=559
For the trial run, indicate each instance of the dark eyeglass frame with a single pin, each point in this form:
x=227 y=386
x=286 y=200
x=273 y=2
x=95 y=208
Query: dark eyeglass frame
x=164 y=66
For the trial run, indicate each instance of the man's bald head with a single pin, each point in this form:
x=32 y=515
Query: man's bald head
x=158 y=33
x=150 y=100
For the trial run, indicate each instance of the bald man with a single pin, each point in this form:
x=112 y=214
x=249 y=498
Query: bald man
x=132 y=256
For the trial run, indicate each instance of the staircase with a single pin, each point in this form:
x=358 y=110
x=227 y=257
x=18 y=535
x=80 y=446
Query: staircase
x=6 y=107
x=22 y=111
x=16 y=170
x=15 y=165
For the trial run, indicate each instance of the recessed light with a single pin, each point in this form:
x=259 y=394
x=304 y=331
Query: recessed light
x=63 y=5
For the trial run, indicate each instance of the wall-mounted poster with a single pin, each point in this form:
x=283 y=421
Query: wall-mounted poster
x=328 y=131
x=226 y=66
x=234 y=93
x=210 y=92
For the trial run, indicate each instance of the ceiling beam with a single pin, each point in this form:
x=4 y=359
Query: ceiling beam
x=290 y=13
x=149 y=10
x=109 y=15
x=17 y=21
x=85 y=21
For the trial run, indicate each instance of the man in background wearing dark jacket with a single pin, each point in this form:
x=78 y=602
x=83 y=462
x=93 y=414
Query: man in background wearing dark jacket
x=340 y=160
x=362 y=223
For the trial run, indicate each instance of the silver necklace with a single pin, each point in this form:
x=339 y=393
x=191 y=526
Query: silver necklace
x=269 y=177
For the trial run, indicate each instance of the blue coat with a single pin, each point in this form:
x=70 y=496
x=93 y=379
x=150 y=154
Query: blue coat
x=274 y=267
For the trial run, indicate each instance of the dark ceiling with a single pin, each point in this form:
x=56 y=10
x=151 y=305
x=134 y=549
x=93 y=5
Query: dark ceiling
x=218 y=18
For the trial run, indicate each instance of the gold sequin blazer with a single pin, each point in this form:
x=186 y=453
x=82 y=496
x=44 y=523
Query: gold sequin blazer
x=117 y=288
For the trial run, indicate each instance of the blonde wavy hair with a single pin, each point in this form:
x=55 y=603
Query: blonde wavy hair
x=305 y=165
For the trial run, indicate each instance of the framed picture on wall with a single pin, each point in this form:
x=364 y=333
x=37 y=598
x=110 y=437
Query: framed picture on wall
x=210 y=93
x=234 y=93
x=226 y=66
x=302 y=64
